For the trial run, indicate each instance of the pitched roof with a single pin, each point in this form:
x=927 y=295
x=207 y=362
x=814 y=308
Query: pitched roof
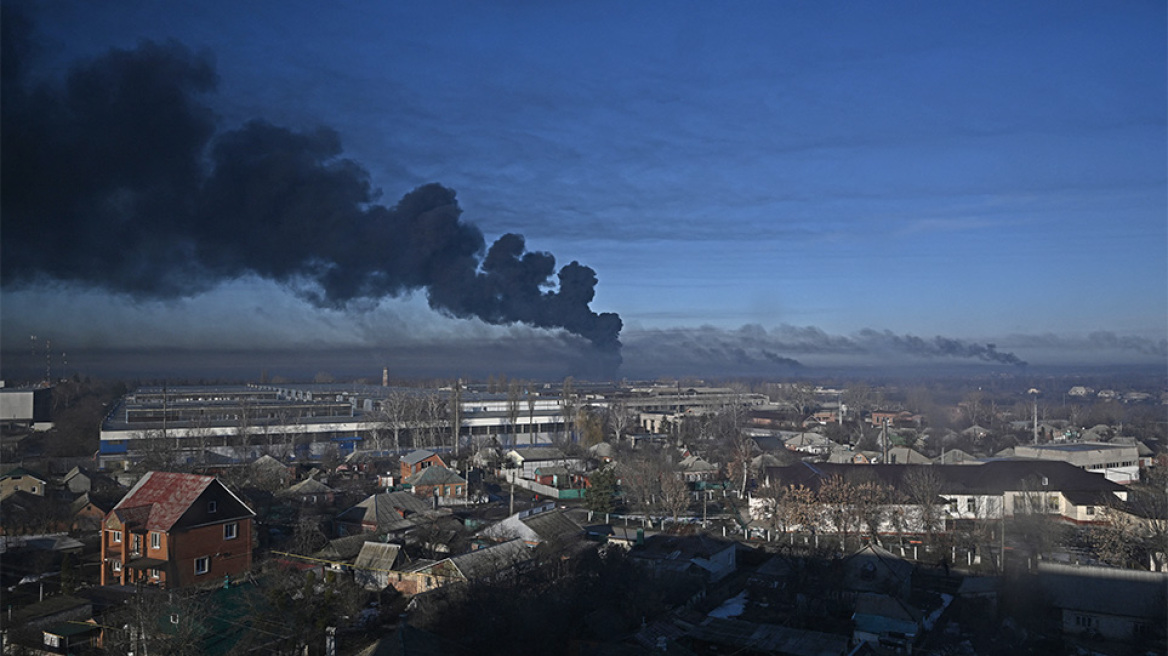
x=484 y=563
x=872 y=567
x=681 y=547
x=536 y=453
x=436 y=475
x=160 y=499
x=417 y=456
x=76 y=471
x=346 y=548
x=994 y=477
x=377 y=556
x=1114 y=592
x=268 y=463
x=21 y=471
x=907 y=456
x=307 y=486
x=385 y=509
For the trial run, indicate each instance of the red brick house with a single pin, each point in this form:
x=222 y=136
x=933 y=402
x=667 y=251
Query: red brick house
x=176 y=530
x=415 y=462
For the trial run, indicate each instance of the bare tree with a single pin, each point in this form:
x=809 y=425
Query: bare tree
x=590 y=425
x=456 y=416
x=1135 y=531
x=1032 y=524
x=924 y=485
x=156 y=622
x=838 y=497
x=640 y=476
x=801 y=507
x=395 y=415
x=568 y=401
x=619 y=419
x=871 y=506
x=513 y=391
x=675 y=494
x=530 y=414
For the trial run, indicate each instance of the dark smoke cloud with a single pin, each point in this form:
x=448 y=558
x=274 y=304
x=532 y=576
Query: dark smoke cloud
x=1102 y=340
x=120 y=179
x=935 y=347
x=754 y=349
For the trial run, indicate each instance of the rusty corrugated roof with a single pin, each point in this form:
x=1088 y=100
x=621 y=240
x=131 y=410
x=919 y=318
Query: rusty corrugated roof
x=159 y=499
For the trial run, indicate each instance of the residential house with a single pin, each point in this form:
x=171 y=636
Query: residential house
x=416 y=461
x=956 y=457
x=497 y=562
x=528 y=460
x=375 y=563
x=176 y=530
x=696 y=469
x=713 y=558
x=602 y=451
x=887 y=621
x=438 y=482
x=26 y=626
x=20 y=479
x=717 y=635
x=812 y=443
x=975 y=493
x=23 y=512
x=309 y=492
x=901 y=455
x=1122 y=605
x=270 y=473
x=72 y=637
x=78 y=481
x=542 y=524
x=88 y=512
x=874 y=569
x=386 y=512
x=1118 y=462
x=892 y=418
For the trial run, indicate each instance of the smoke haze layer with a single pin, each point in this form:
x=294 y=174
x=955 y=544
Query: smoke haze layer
x=120 y=179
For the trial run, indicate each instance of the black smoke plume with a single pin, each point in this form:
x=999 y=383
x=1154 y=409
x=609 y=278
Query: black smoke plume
x=121 y=179
x=755 y=349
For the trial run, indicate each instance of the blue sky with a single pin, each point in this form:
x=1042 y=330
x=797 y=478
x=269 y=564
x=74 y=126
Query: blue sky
x=988 y=172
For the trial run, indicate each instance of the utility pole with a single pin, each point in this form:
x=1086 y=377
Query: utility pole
x=1034 y=393
x=884 y=441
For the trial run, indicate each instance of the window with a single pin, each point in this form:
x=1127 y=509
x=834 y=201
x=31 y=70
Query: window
x=52 y=640
x=230 y=531
x=202 y=565
x=115 y=536
x=213 y=506
x=155 y=540
x=154 y=574
x=971 y=505
x=33 y=489
x=117 y=565
x=1090 y=510
x=137 y=542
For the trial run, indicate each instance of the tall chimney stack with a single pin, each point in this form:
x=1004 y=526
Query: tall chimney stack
x=385 y=376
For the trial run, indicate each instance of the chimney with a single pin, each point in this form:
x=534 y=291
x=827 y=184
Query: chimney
x=385 y=376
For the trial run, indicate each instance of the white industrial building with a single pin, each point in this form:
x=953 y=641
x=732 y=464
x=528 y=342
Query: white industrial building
x=197 y=424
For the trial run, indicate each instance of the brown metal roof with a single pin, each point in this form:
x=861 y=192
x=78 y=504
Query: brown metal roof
x=159 y=499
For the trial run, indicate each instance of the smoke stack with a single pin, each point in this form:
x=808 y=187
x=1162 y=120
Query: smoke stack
x=385 y=376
